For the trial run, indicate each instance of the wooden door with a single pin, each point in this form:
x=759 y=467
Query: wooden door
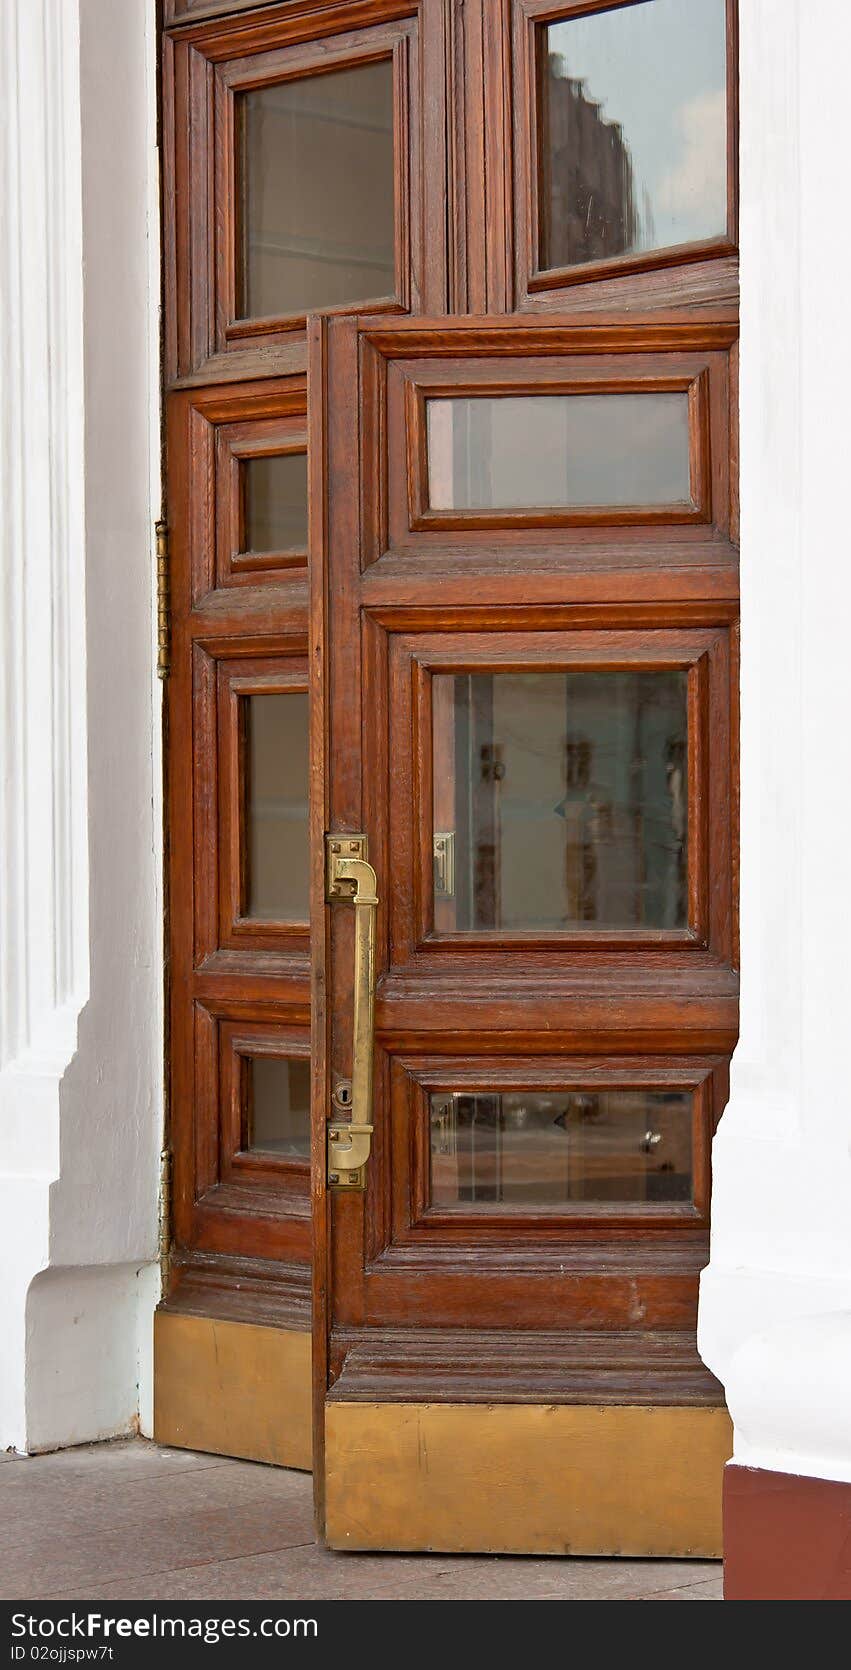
x=524 y=606
x=470 y=269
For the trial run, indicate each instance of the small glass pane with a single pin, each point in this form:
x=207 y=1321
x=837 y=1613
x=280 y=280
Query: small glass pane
x=278 y=1112
x=318 y=200
x=566 y=795
x=634 y=140
x=275 y=500
x=559 y=451
x=524 y=1148
x=276 y=767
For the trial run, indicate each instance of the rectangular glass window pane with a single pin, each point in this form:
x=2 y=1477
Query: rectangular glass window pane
x=276 y=767
x=278 y=1112
x=317 y=191
x=634 y=130
x=566 y=793
x=527 y=1148
x=559 y=451
x=275 y=501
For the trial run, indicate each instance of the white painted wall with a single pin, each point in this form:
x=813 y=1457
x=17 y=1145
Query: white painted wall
x=80 y=814
x=775 y=1316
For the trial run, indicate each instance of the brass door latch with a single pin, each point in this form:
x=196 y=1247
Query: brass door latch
x=443 y=848
x=349 y=877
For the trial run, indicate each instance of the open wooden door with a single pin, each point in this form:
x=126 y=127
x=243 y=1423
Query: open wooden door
x=523 y=598
x=503 y=234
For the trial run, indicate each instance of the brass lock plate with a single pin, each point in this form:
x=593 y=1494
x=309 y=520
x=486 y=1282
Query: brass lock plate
x=443 y=847
x=342 y=1180
x=337 y=848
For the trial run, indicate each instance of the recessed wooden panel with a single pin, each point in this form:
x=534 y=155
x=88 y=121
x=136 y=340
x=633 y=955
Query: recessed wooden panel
x=243 y=1202
x=569 y=1091
x=216 y=433
x=617 y=506
x=315 y=190
x=261 y=499
x=632 y=131
x=251 y=795
x=525 y=1479
x=588 y=770
x=693 y=784
x=263 y=227
x=264 y=1090
x=625 y=142
x=506 y=1151
x=523 y=452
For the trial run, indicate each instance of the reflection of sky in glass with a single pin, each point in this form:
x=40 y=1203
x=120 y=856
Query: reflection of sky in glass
x=659 y=69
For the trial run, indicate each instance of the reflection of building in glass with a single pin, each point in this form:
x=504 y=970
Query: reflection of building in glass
x=591 y=210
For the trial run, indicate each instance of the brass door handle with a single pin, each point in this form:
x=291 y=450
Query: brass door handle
x=349 y=876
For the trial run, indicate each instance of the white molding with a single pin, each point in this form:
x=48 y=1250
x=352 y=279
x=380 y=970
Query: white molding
x=43 y=793
x=81 y=966
x=781 y=1203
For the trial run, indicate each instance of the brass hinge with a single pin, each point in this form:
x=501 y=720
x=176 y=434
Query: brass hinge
x=164 y=1218
x=163 y=600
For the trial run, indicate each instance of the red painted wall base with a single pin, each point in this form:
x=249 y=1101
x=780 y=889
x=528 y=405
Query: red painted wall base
x=785 y=1537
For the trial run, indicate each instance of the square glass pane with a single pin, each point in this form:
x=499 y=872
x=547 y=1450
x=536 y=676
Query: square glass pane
x=559 y=451
x=276 y=771
x=566 y=796
x=634 y=130
x=278 y=1110
x=275 y=502
x=317 y=191
x=528 y=1148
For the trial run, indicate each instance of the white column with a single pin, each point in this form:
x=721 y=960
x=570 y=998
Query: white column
x=775 y=1314
x=80 y=937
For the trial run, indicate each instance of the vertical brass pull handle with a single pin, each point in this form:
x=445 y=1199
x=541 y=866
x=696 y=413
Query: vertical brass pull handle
x=349 y=876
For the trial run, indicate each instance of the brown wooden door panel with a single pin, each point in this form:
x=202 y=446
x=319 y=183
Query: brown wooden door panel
x=700 y=272
x=475 y=1019
x=209 y=69
x=239 y=971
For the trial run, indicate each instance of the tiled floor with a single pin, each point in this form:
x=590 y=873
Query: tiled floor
x=132 y=1521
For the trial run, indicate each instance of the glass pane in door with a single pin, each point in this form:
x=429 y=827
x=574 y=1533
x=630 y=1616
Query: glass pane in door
x=278 y=1110
x=276 y=772
x=634 y=130
x=565 y=795
x=559 y=451
x=556 y=1148
x=275 y=502
x=317 y=191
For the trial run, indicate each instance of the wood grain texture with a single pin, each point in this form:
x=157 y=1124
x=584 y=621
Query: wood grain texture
x=442 y=1365
x=530 y=1479
x=236 y=985
x=208 y=61
x=695 y=276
